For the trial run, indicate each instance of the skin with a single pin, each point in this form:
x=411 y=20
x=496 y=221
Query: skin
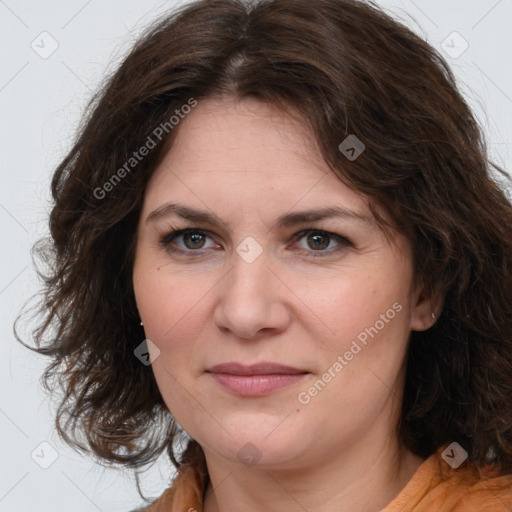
x=247 y=163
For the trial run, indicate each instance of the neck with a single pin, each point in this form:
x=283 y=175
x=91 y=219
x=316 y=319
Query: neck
x=363 y=477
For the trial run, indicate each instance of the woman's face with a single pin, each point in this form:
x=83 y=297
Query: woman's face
x=284 y=264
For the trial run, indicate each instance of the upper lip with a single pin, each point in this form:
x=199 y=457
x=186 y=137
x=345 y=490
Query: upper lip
x=265 y=368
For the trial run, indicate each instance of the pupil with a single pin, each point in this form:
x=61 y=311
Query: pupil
x=196 y=240
x=320 y=241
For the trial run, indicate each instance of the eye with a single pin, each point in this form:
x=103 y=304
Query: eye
x=317 y=241
x=186 y=240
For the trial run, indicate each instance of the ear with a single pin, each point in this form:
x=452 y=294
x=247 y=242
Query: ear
x=425 y=309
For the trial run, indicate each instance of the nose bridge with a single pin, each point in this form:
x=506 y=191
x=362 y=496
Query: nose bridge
x=246 y=281
x=249 y=300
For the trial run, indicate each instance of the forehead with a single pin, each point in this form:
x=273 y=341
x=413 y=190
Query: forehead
x=251 y=148
x=245 y=135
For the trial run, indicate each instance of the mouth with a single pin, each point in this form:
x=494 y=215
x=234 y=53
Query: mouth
x=255 y=380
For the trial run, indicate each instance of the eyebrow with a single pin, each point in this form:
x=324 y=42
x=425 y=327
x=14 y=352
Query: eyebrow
x=286 y=220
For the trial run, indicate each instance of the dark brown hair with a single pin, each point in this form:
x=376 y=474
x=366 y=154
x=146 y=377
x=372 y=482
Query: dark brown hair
x=346 y=68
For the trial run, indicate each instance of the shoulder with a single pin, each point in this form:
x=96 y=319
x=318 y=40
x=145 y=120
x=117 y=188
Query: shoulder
x=164 y=503
x=467 y=488
x=488 y=492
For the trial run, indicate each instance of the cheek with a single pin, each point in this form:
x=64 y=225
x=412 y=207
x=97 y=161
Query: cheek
x=172 y=306
x=362 y=360
x=362 y=355
x=357 y=305
x=169 y=302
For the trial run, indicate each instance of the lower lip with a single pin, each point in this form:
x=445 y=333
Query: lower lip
x=256 y=385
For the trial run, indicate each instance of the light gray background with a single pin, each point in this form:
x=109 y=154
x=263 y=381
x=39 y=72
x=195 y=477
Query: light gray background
x=41 y=101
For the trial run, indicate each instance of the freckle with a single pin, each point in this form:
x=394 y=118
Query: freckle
x=158 y=268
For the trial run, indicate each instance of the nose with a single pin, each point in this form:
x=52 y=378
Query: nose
x=252 y=301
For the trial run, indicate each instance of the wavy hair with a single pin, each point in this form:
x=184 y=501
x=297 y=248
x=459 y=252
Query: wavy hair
x=345 y=67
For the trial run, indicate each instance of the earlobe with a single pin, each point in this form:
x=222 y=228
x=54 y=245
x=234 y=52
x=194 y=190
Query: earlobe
x=425 y=312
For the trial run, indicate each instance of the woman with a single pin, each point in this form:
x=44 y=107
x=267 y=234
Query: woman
x=275 y=240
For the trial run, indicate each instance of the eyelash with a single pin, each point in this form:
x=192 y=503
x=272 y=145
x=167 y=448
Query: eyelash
x=167 y=239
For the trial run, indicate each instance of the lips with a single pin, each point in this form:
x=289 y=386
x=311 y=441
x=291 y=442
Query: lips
x=255 y=369
x=255 y=380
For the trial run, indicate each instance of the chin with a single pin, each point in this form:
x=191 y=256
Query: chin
x=251 y=444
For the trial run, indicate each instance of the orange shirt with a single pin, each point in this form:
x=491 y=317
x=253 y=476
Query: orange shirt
x=435 y=487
